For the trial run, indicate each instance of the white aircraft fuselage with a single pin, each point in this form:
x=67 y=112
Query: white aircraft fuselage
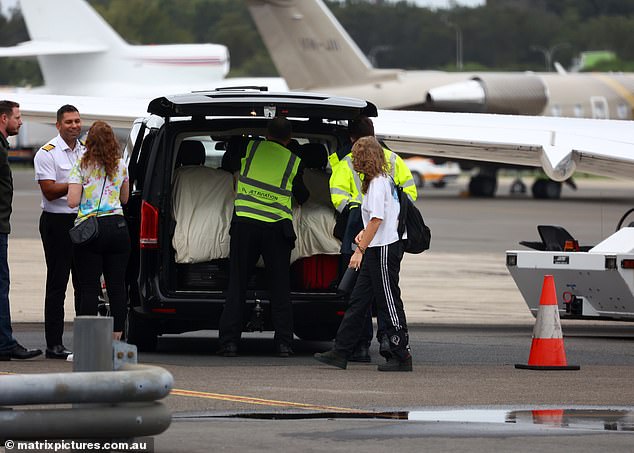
x=80 y=54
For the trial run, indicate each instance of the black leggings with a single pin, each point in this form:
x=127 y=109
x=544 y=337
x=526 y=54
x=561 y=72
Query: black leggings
x=107 y=254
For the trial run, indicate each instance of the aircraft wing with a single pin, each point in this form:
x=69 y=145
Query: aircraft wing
x=560 y=146
x=40 y=48
x=118 y=112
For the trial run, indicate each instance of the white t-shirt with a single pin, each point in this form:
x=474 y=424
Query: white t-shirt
x=54 y=161
x=381 y=202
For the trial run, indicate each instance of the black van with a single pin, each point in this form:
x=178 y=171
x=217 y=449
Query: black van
x=180 y=205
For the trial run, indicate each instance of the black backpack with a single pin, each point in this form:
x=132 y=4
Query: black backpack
x=418 y=234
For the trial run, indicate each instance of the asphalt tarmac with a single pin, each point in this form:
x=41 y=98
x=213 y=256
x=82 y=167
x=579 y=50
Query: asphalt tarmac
x=468 y=327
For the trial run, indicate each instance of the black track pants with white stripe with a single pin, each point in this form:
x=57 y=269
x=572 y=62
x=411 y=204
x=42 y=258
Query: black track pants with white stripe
x=378 y=279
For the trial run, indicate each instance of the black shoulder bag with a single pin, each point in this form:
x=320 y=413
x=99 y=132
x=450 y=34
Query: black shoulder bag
x=87 y=230
x=410 y=218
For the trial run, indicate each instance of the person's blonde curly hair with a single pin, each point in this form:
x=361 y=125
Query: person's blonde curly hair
x=368 y=158
x=102 y=149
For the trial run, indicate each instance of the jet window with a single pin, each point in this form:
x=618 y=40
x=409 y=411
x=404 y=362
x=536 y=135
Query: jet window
x=599 y=107
x=579 y=111
x=623 y=111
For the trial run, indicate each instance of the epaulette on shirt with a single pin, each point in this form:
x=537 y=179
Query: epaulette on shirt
x=83 y=142
x=48 y=147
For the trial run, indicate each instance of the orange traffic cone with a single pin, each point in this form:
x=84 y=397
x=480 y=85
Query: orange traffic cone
x=547 y=349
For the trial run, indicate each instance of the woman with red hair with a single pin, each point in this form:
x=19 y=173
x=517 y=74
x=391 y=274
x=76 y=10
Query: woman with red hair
x=98 y=184
x=377 y=258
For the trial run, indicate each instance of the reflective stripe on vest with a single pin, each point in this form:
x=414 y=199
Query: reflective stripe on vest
x=348 y=197
x=264 y=188
x=408 y=185
x=392 y=161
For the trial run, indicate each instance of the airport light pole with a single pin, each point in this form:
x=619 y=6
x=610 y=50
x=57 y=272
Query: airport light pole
x=549 y=53
x=447 y=22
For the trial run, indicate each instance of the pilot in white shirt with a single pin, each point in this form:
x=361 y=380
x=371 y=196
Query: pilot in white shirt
x=53 y=163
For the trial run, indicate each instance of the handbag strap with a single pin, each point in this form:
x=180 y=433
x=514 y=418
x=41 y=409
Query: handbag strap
x=402 y=215
x=105 y=178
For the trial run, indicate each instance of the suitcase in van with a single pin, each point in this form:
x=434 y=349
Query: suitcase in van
x=316 y=272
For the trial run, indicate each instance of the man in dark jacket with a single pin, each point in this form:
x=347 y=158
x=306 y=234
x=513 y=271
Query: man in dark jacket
x=10 y=122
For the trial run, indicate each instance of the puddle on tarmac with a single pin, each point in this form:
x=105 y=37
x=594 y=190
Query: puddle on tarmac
x=591 y=419
x=578 y=419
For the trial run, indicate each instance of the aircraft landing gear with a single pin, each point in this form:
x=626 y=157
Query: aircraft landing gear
x=518 y=187
x=483 y=186
x=419 y=181
x=545 y=189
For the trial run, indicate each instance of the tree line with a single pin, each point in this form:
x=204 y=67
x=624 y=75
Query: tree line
x=397 y=35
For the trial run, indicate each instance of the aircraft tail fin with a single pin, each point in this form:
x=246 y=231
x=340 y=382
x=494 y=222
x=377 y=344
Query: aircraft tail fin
x=75 y=21
x=309 y=47
x=79 y=53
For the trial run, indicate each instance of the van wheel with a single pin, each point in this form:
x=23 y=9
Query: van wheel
x=323 y=333
x=140 y=332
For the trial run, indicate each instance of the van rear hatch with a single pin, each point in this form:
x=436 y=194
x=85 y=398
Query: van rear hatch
x=255 y=103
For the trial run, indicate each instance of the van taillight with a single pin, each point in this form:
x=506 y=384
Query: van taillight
x=148 y=237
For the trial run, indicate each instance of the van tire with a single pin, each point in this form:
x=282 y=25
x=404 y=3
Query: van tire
x=140 y=332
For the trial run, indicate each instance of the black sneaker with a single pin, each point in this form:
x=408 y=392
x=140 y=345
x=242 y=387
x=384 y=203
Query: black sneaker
x=394 y=364
x=332 y=358
x=361 y=354
x=384 y=347
x=284 y=350
x=228 y=350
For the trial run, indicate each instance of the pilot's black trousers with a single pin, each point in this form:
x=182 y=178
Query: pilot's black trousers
x=249 y=241
x=378 y=279
x=58 y=252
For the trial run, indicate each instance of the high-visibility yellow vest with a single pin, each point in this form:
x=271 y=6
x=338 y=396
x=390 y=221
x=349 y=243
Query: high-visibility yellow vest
x=333 y=159
x=265 y=183
x=345 y=183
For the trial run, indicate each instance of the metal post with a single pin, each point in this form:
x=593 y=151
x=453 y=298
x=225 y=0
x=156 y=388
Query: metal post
x=92 y=343
x=105 y=403
x=456 y=27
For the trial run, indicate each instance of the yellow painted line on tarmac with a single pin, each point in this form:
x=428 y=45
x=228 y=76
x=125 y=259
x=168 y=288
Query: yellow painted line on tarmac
x=251 y=400
x=261 y=401
x=616 y=86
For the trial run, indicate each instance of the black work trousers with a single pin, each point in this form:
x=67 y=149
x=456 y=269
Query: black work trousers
x=107 y=254
x=59 y=264
x=249 y=241
x=378 y=279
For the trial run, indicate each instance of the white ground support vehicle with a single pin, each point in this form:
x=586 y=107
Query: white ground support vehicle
x=427 y=171
x=591 y=282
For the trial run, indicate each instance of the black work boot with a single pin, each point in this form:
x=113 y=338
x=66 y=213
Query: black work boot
x=228 y=350
x=395 y=364
x=332 y=358
x=361 y=354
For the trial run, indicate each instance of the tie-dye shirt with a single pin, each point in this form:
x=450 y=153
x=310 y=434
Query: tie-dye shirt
x=92 y=180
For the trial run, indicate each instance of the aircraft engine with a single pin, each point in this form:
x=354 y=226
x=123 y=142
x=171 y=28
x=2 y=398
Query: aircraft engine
x=523 y=94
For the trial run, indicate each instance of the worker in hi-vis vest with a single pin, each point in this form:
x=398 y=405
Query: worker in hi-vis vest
x=345 y=193
x=270 y=176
